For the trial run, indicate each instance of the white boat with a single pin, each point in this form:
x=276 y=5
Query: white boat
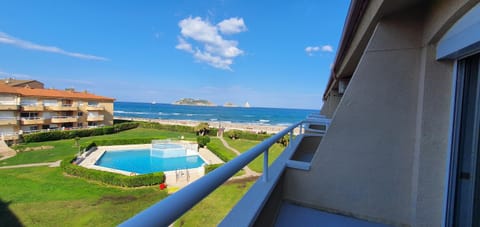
x=247 y=105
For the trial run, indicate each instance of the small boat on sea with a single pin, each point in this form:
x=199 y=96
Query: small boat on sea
x=247 y=105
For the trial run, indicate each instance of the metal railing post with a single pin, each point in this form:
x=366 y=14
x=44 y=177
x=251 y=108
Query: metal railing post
x=265 y=165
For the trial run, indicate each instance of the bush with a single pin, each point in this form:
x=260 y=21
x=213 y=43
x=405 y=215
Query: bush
x=203 y=140
x=173 y=128
x=233 y=134
x=218 y=151
x=70 y=134
x=211 y=167
x=112 y=178
x=118 y=142
x=238 y=134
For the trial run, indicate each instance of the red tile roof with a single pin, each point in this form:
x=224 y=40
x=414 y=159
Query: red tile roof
x=51 y=93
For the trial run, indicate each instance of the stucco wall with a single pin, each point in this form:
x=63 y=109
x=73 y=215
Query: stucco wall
x=364 y=165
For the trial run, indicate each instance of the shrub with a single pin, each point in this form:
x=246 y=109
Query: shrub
x=70 y=134
x=233 y=134
x=203 y=140
x=238 y=134
x=202 y=129
x=211 y=167
x=218 y=152
x=112 y=178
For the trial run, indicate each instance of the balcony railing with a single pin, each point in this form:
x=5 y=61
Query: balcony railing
x=8 y=120
x=171 y=208
x=95 y=107
x=32 y=120
x=64 y=119
x=8 y=106
x=32 y=107
x=95 y=118
x=63 y=107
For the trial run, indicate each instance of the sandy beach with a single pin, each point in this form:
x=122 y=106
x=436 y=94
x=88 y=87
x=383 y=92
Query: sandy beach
x=216 y=124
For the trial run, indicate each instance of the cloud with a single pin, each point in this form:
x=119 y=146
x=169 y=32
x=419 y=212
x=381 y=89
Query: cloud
x=232 y=26
x=183 y=45
x=210 y=47
x=312 y=49
x=15 y=75
x=10 y=40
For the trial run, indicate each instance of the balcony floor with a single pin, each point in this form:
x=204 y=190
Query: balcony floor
x=295 y=215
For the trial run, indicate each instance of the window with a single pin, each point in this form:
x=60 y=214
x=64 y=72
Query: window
x=464 y=190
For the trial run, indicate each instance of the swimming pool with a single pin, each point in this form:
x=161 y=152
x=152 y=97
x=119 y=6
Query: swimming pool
x=144 y=161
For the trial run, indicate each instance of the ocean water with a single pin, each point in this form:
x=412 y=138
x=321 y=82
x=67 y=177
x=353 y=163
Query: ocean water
x=252 y=115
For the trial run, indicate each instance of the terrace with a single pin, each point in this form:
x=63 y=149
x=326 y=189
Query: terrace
x=264 y=203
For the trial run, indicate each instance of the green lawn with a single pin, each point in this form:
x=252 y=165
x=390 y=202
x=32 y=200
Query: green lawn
x=43 y=196
x=216 y=146
x=212 y=210
x=257 y=164
x=66 y=148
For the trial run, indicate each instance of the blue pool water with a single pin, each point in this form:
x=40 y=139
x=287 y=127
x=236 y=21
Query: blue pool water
x=140 y=161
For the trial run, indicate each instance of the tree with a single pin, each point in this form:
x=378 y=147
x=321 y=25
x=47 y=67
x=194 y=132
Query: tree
x=203 y=140
x=233 y=134
x=202 y=129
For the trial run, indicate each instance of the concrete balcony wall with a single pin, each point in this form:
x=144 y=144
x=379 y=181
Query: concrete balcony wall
x=32 y=121
x=95 y=108
x=95 y=118
x=8 y=121
x=8 y=107
x=63 y=119
x=33 y=108
x=62 y=108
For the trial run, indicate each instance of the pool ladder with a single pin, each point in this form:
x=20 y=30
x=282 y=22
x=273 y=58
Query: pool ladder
x=180 y=173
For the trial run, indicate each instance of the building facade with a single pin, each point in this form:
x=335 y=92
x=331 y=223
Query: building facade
x=24 y=109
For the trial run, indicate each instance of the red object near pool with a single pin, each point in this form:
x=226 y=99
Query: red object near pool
x=163 y=186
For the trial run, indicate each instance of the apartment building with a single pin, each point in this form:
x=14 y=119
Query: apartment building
x=27 y=107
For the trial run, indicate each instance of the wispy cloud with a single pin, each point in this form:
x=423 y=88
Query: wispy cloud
x=310 y=50
x=211 y=47
x=10 y=40
x=15 y=75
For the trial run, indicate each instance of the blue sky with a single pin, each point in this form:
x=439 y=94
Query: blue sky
x=269 y=53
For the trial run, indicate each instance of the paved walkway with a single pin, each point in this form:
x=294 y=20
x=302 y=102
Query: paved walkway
x=5 y=151
x=248 y=171
x=49 y=164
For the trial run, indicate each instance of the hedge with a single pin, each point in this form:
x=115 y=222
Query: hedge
x=174 y=128
x=211 y=167
x=219 y=152
x=70 y=134
x=112 y=178
x=89 y=145
x=247 y=135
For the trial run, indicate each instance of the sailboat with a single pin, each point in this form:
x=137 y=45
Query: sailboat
x=247 y=105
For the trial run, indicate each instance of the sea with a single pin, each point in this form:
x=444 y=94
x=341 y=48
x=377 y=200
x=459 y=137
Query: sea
x=250 y=115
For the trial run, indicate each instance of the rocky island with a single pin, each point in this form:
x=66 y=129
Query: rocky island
x=194 y=102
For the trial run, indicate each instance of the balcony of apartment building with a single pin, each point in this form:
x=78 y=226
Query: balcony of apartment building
x=264 y=204
x=28 y=104
x=8 y=120
x=60 y=105
x=94 y=106
x=95 y=117
x=31 y=120
x=8 y=105
x=63 y=119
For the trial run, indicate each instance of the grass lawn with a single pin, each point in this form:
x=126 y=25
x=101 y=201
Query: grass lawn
x=66 y=148
x=212 y=210
x=216 y=146
x=43 y=196
x=257 y=164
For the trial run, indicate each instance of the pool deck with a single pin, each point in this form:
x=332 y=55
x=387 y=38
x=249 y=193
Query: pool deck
x=174 y=178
